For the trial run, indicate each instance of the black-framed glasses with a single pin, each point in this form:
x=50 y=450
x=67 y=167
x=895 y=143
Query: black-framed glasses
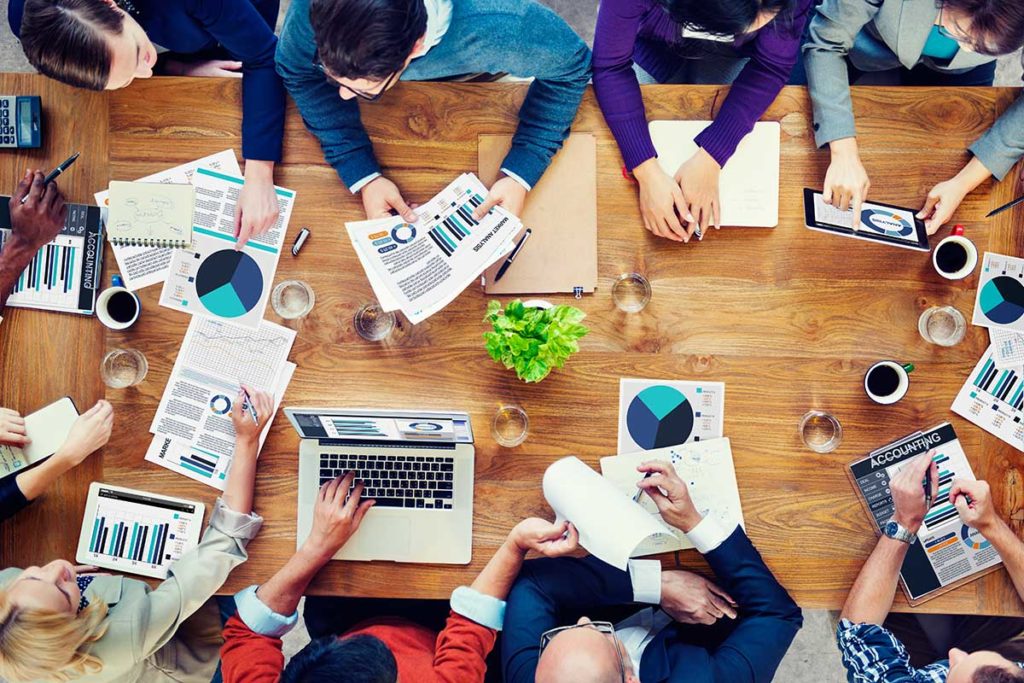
x=603 y=627
x=369 y=97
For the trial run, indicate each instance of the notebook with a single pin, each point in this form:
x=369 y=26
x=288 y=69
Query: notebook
x=748 y=186
x=561 y=209
x=47 y=428
x=150 y=214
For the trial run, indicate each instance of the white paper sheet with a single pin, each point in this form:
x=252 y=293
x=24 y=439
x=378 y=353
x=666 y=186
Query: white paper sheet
x=658 y=413
x=144 y=266
x=1007 y=347
x=610 y=524
x=1000 y=298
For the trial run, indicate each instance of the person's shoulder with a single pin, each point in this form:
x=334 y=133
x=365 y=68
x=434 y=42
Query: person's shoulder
x=15 y=8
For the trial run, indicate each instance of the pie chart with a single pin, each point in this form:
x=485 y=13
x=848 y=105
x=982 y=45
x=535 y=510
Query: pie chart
x=229 y=283
x=888 y=223
x=659 y=416
x=1002 y=300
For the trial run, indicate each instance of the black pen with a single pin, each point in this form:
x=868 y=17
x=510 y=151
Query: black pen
x=928 y=488
x=640 y=491
x=512 y=256
x=52 y=175
x=1004 y=207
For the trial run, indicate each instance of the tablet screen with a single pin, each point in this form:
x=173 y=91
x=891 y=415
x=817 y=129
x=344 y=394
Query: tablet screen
x=138 y=532
x=896 y=224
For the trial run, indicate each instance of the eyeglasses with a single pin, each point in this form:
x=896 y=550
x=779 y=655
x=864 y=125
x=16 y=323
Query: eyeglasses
x=959 y=36
x=603 y=627
x=369 y=97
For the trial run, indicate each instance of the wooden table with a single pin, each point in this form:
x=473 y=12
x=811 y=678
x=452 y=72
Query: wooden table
x=789 y=319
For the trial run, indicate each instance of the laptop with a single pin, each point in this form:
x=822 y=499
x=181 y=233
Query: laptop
x=417 y=465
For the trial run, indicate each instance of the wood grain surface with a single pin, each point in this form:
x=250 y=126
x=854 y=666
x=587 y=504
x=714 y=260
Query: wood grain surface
x=788 y=318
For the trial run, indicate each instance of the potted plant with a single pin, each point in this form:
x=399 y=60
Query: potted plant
x=533 y=339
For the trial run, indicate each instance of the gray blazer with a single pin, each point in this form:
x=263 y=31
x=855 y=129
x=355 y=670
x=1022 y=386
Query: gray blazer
x=140 y=643
x=887 y=35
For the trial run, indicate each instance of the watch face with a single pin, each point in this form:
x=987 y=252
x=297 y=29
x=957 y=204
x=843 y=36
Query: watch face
x=891 y=528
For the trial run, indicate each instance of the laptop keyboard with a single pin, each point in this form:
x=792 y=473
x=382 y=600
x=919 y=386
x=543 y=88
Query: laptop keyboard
x=396 y=481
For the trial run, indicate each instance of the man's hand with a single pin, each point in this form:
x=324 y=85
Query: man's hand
x=698 y=180
x=41 y=217
x=256 y=210
x=505 y=192
x=217 y=68
x=247 y=431
x=381 y=197
x=674 y=504
x=334 y=518
x=661 y=202
x=691 y=599
x=979 y=513
x=907 y=489
x=547 y=538
x=12 y=428
x=846 y=180
x=942 y=201
x=88 y=434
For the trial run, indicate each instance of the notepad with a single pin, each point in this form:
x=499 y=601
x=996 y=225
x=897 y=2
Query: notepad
x=150 y=214
x=48 y=428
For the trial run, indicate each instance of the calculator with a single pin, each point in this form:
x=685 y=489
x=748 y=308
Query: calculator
x=20 y=121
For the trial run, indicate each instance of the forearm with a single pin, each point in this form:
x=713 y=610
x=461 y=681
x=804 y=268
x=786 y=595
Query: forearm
x=1011 y=550
x=34 y=481
x=258 y=169
x=242 y=476
x=872 y=594
x=497 y=577
x=13 y=260
x=285 y=588
x=973 y=173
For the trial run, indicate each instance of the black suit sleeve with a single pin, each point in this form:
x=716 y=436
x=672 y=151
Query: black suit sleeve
x=11 y=498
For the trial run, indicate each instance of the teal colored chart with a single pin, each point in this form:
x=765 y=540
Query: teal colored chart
x=973 y=539
x=1002 y=300
x=229 y=283
x=659 y=416
x=888 y=222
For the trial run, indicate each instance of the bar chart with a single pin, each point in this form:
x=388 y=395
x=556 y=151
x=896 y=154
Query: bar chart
x=993 y=399
x=52 y=278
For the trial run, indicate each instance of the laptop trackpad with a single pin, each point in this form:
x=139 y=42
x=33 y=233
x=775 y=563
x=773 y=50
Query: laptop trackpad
x=383 y=537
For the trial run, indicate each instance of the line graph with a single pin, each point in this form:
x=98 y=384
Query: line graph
x=252 y=357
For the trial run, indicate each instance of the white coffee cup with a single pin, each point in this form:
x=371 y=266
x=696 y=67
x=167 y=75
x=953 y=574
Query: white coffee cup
x=115 y=319
x=957 y=237
x=886 y=382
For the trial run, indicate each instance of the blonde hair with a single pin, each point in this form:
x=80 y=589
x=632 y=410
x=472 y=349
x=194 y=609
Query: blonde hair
x=50 y=646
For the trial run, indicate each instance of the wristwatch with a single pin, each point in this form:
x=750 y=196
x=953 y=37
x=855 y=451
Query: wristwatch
x=898 y=532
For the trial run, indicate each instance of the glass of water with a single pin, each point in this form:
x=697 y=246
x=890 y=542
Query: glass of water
x=511 y=426
x=631 y=292
x=942 y=325
x=820 y=431
x=292 y=299
x=373 y=323
x=122 y=368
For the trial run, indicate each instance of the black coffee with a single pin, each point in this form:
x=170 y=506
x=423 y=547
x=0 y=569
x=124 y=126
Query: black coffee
x=883 y=381
x=122 y=307
x=951 y=257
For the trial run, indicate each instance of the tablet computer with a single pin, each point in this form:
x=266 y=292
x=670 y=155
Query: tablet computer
x=136 y=531
x=883 y=223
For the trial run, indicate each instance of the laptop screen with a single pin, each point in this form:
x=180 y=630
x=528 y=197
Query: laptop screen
x=378 y=425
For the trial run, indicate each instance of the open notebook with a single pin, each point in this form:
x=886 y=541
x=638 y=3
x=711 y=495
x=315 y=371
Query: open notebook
x=150 y=214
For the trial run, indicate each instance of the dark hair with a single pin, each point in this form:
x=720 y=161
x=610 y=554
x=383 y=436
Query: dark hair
x=997 y=25
x=366 y=38
x=724 y=17
x=64 y=39
x=359 y=659
x=995 y=674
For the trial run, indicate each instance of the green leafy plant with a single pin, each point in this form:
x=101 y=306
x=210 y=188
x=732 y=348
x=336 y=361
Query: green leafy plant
x=533 y=341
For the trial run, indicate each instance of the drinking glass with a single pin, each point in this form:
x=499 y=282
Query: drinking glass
x=631 y=292
x=511 y=426
x=820 y=431
x=373 y=323
x=122 y=368
x=942 y=325
x=292 y=299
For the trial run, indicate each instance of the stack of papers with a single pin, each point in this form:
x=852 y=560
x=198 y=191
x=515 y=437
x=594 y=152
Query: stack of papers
x=419 y=268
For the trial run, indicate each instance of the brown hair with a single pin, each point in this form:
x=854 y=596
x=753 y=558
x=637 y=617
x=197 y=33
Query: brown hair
x=64 y=39
x=995 y=674
x=996 y=25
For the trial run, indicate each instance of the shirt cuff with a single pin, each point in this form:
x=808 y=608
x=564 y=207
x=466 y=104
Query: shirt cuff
x=645 y=575
x=485 y=610
x=707 y=535
x=235 y=524
x=516 y=178
x=260 y=618
x=360 y=184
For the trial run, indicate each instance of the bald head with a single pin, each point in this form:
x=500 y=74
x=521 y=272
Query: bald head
x=581 y=655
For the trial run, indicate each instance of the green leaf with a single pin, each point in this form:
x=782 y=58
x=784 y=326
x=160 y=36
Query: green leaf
x=532 y=341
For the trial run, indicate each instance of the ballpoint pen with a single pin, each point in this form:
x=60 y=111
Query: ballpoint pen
x=1004 y=207
x=249 y=407
x=640 y=491
x=512 y=256
x=52 y=175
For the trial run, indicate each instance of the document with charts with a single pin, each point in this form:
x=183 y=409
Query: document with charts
x=1007 y=347
x=993 y=398
x=214 y=279
x=421 y=267
x=707 y=469
x=144 y=266
x=194 y=435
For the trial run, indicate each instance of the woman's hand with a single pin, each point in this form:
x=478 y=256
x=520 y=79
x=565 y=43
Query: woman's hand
x=88 y=434
x=247 y=430
x=846 y=180
x=547 y=538
x=12 y=428
x=256 y=210
x=698 y=180
x=661 y=202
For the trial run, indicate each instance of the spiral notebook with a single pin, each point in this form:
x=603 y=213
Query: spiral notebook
x=150 y=214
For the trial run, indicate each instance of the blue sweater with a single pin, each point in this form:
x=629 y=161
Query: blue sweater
x=245 y=29
x=518 y=37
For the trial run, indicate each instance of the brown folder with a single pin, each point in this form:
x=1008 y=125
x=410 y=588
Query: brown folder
x=561 y=254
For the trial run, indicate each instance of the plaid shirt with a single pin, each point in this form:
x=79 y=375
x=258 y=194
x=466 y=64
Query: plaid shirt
x=871 y=654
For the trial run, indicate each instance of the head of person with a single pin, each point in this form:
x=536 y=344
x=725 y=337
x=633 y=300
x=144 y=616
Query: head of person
x=43 y=634
x=90 y=44
x=587 y=652
x=982 y=666
x=363 y=46
x=989 y=27
x=727 y=17
x=357 y=659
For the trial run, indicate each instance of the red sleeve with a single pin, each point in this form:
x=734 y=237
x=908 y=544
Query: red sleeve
x=248 y=657
x=461 y=650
